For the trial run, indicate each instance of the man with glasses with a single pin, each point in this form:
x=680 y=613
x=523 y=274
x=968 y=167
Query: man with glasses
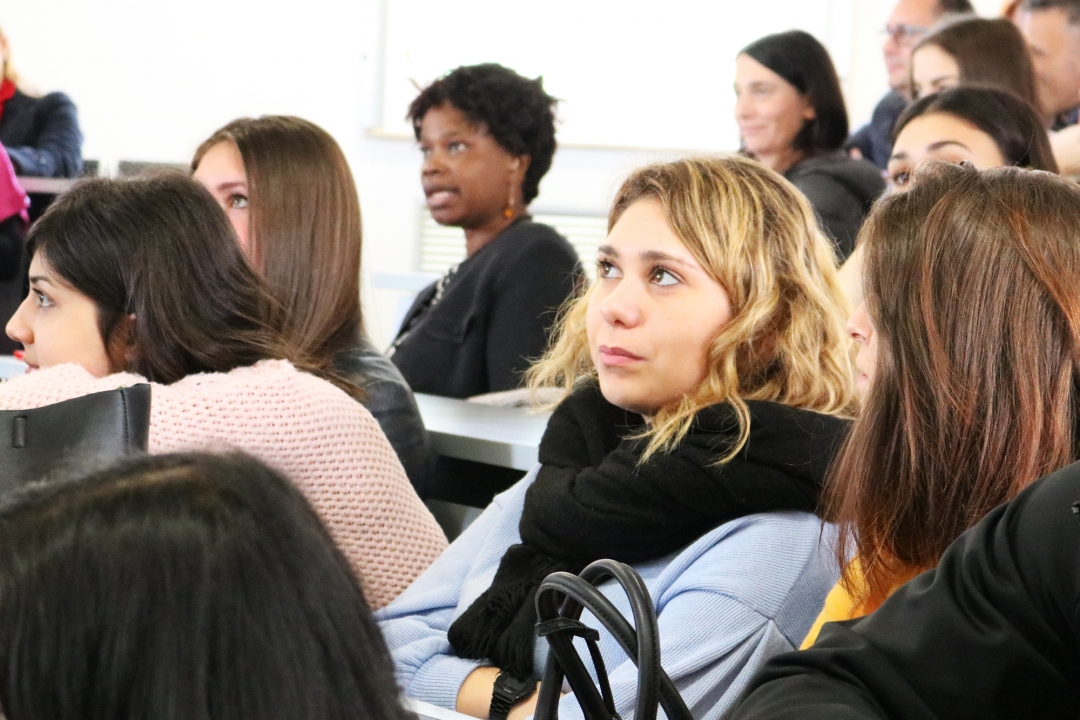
x=908 y=22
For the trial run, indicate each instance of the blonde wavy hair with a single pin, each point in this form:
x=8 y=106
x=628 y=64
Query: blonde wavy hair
x=757 y=236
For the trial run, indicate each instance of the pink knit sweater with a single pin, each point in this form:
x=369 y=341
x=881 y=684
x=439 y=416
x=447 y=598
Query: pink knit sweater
x=299 y=424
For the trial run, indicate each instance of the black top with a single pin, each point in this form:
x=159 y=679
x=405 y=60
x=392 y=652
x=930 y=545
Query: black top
x=494 y=315
x=391 y=402
x=993 y=632
x=41 y=135
x=842 y=190
x=874 y=140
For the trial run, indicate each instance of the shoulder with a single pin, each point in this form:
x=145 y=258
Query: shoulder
x=56 y=384
x=50 y=102
x=531 y=241
x=728 y=560
x=837 y=172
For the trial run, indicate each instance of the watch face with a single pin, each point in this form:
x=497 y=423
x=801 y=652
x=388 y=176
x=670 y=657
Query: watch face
x=514 y=686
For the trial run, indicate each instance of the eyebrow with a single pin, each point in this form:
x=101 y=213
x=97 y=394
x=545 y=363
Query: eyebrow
x=647 y=256
x=932 y=147
x=231 y=185
x=41 y=279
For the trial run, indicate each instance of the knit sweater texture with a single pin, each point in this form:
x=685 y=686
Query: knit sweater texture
x=741 y=593
x=302 y=426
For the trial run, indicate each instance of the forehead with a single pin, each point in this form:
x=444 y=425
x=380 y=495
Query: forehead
x=220 y=163
x=747 y=69
x=446 y=119
x=1047 y=28
x=919 y=135
x=644 y=227
x=920 y=13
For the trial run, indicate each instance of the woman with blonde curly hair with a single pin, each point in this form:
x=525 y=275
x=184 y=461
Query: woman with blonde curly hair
x=706 y=377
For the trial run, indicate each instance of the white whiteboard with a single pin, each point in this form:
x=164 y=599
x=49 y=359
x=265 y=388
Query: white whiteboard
x=648 y=75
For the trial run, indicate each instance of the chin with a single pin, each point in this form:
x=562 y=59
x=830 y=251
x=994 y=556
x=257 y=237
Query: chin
x=627 y=399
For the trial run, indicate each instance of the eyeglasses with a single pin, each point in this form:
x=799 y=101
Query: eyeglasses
x=904 y=34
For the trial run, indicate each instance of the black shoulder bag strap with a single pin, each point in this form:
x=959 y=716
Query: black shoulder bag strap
x=559 y=602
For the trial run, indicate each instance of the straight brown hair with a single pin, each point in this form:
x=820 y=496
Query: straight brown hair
x=305 y=234
x=971 y=284
x=989 y=52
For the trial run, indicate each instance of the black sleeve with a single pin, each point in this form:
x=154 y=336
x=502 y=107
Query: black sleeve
x=57 y=150
x=393 y=406
x=992 y=633
x=12 y=235
x=532 y=286
x=860 y=140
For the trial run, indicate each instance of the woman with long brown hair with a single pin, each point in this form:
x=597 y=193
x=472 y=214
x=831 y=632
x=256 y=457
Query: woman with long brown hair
x=969 y=361
x=286 y=186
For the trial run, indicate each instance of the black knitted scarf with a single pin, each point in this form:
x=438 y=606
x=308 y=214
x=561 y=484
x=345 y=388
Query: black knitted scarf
x=591 y=499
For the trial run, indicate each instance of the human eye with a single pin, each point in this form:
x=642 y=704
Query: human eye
x=663 y=277
x=237 y=201
x=41 y=299
x=606 y=270
x=425 y=149
x=899 y=177
x=456 y=147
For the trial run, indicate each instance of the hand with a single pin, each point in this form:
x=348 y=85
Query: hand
x=855 y=153
x=1066 y=146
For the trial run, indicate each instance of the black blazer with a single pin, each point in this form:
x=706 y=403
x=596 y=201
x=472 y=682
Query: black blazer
x=42 y=136
x=494 y=317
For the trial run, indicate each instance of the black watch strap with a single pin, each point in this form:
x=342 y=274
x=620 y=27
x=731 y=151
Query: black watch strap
x=509 y=691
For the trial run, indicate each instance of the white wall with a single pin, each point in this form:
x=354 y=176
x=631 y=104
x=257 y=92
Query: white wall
x=153 y=79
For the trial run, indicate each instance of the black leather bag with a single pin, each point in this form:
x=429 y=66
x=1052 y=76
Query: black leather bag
x=559 y=602
x=89 y=430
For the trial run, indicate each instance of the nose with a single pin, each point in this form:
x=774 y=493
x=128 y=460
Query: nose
x=622 y=306
x=432 y=163
x=742 y=106
x=18 y=327
x=858 y=325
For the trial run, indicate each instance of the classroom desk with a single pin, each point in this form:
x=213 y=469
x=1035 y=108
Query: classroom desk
x=46 y=186
x=501 y=436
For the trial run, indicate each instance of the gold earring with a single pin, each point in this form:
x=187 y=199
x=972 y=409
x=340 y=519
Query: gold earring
x=508 y=211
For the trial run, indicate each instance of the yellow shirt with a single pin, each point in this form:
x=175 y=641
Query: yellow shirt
x=839 y=605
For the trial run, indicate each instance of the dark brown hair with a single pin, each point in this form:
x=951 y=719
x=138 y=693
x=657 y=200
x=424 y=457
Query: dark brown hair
x=305 y=233
x=161 y=250
x=1013 y=125
x=804 y=63
x=971 y=283
x=989 y=52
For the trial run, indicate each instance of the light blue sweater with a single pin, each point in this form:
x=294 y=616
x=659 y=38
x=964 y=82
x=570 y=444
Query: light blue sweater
x=740 y=594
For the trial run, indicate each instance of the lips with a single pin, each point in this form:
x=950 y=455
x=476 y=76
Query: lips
x=617 y=357
x=440 y=196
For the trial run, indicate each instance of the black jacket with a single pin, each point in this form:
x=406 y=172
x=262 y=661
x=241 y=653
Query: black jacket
x=841 y=189
x=494 y=316
x=41 y=135
x=392 y=404
x=993 y=632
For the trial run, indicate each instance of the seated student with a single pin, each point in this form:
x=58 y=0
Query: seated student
x=487 y=136
x=967 y=361
x=792 y=119
x=705 y=374
x=143 y=280
x=983 y=127
x=186 y=586
x=974 y=51
x=40 y=134
x=287 y=189
x=991 y=633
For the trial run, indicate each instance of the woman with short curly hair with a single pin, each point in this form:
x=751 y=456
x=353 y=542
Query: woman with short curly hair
x=487 y=136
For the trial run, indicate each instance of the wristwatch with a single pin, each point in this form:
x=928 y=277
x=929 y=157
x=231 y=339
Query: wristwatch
x=509 y=691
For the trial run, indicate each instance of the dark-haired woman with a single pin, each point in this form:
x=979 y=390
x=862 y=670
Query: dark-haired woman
x=974 y=51
x=183 y=586
x=185 y=312
x=968 y=363
x=982 y=126
x=792 y=119
x=286 y=186
x=487 y=136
